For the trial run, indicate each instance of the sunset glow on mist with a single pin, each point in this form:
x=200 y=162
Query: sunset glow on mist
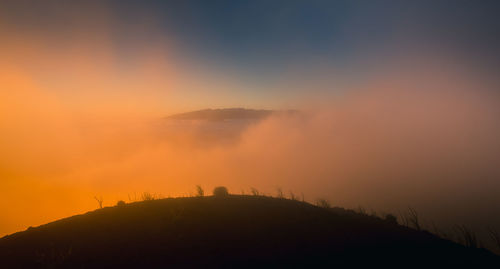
x=82 y=116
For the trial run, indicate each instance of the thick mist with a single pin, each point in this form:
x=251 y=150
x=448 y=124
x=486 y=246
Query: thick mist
x=400 y=138
x=78 y=120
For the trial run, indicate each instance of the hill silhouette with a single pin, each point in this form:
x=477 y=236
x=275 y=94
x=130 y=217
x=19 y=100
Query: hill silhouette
x=228 y=231
x=227 y=114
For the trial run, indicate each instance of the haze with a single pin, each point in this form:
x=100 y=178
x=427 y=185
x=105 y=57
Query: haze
x=404 y=117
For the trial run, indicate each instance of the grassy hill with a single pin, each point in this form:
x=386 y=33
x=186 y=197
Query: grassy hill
x=231 y=231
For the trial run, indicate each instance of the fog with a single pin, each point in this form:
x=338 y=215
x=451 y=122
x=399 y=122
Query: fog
x=420 y=130
x=398 y=139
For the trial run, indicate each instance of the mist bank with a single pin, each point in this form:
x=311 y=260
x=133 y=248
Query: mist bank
x=418 y=127
x=384 y=147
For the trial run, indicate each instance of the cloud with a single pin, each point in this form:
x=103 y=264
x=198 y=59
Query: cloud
x=77 y=121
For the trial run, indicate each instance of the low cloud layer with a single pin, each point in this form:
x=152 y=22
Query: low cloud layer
x=76 y=121
x=396 y=140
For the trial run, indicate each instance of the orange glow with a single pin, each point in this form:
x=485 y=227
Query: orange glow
x=76 y=123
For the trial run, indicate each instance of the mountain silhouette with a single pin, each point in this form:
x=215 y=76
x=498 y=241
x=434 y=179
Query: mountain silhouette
x=227 y=114
x=228 y=231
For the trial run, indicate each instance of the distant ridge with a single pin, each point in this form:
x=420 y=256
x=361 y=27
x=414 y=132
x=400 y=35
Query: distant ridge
x=226 y=114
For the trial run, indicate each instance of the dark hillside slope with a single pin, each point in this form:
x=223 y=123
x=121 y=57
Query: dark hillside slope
x=228 y=231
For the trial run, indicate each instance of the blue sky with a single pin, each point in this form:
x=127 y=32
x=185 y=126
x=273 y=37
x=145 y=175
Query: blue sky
x=264 y=36
x=269 y=34
x=258 y=43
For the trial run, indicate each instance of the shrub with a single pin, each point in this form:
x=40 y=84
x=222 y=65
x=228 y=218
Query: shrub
x=199 y=191
x=413 y=218
x=323 y=203
x=130 y=198
x=120 y=203
x=254 y=191
x=280 y=193
x=495 y=236
x=390 y=218
x=99 y=200
x=146 y=196
x=362 y=210
x=220 y=191
x=467 y=237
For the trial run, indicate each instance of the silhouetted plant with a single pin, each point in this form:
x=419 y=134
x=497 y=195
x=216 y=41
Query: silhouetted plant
x=323 y=203
x=130 y=198
x=254 y=191
x=99 y=200
x=199 y=191
x=390 y=218
x=413 y=218
x=441 y=233
x=280 y=193
x=362 y=210
x=404 y=219
x=495 y=237
x=293 y=197
x=466 y=236
x=146 y=196
x=220 y=191
x=120 y=203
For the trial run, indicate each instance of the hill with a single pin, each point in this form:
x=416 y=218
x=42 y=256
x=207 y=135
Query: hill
x=231 y=231
x=226 y=114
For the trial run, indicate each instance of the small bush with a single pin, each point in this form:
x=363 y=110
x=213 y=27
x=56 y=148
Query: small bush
x=414 y=218
x=361 y=210
x=495 y=237
x=323 y=203
x=467 y=237
x=99 y=200
x=120 y=203
x=280 y=193
x=130 y=198
x=199 y=191
x=146 y=196
x=390 y=218
x=254 y=191
x=220 y=191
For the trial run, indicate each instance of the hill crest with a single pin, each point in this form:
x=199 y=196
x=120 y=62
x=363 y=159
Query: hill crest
x=222 y=231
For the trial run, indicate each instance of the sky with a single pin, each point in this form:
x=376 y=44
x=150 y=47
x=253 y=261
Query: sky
x=399 y=103
x=257 y=42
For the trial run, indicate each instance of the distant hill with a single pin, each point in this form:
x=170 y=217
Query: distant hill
x=226 y=114
x=232 y=231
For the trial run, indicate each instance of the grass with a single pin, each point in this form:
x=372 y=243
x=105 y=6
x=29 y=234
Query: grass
x=495 y=237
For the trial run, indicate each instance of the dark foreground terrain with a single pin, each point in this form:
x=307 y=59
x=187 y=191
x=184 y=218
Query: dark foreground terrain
x=232 y=231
